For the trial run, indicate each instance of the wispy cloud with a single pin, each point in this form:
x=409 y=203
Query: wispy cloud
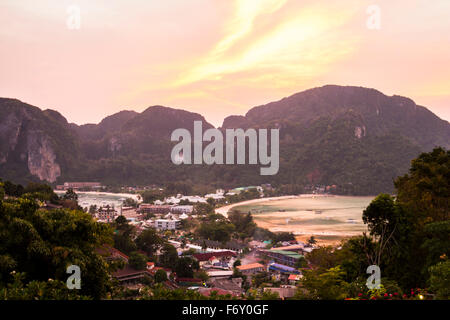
x=295 y=42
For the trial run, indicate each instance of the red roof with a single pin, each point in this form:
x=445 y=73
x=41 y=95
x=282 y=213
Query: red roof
x=294 y=277
x=208 y=255
x=107 y=250
x=207 y=291
x=120 y=253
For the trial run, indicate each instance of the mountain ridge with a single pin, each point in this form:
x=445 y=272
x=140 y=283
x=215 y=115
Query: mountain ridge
x=353 y=137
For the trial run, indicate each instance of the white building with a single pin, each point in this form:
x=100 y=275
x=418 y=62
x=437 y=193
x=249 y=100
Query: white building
x=165 y=224
x=215 y=196
x=182 y=209
x=183 y=216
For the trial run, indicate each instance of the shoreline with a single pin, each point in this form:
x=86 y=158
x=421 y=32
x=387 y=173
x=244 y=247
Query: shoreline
x=100 y=193
x=323 y=237
x=224 y=210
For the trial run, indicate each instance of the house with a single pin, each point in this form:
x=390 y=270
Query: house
x=288 y=258
x=281 y=272
x=166 y=224
x=151 y=208
x=150 y=265
x=182 y=209
x=281 y=268
x=230 y=245
x=183 y=216
x=252 y=268
x=224 y=265
x=107 y=213
x=129 y=212
x=215 y=196
x=294 y=278
x=229 y=285
x=213 y=260
x=129 y=275
x=284 y=292
x=110 y=253
x=204 y=258
x=154 y=269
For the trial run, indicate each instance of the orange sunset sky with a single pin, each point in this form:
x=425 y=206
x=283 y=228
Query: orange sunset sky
x=218 y=57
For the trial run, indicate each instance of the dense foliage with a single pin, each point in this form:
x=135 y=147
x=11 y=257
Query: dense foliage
x=409 y=240
x=40 y=245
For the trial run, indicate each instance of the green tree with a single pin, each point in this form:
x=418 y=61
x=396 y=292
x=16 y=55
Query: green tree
x=12 y=189
x=40 y=191
x=124 y=235
x=92 y=209
x=70 y=195
x=269 y=295
x=130 y=202
x=328 y=285
x=216 y=230
x=301 y=263
x=137 y=260
x=425 y=190
x=260 y=278
x=169 y=256
x=243 y=223
x=440 y=279
x=312 y=241
x=149 y=241
x=412 y=224
x=42 y=244
x=38 y=290
x=203 y=275
x=203 y=208
x=2 y=191
x=160 y=276
x=185 y=267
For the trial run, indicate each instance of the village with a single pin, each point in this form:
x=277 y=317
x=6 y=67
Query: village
x=232 y=267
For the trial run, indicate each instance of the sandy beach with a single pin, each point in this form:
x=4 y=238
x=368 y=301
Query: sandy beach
x=329 y=218
x=224 y=210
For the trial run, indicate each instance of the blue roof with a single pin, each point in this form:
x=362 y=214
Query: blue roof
x=283 y=268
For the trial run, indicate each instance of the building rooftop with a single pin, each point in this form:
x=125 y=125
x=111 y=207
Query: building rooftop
x=291 y=247
x=206 y=256
x=287 y=253
x=295 y=277
x=283 y=268
x=250 y=266
x=228 y=285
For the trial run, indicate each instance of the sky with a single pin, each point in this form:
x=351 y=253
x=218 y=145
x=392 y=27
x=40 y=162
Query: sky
x=89 y=59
